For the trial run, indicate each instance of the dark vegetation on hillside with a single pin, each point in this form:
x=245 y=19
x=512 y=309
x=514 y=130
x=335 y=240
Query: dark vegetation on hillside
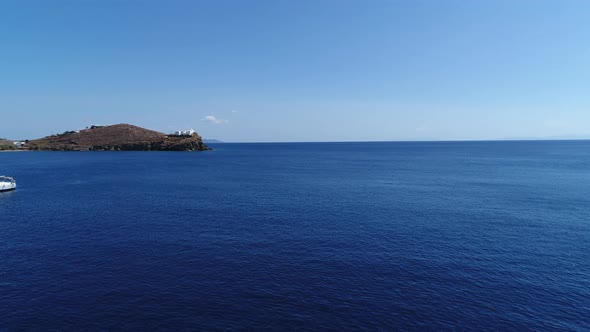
x=6 y=145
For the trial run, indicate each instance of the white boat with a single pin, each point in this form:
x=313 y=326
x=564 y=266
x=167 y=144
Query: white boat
x=7 y=183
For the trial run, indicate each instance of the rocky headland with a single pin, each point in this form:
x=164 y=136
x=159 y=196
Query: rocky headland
x=120 y=137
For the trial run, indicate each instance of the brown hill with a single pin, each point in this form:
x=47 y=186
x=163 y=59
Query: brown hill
x=120 y=137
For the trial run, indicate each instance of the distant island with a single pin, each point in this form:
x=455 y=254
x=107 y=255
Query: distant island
x=119 y=137
x=212 y=140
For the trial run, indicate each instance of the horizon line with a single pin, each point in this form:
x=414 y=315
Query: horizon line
x=410 y=141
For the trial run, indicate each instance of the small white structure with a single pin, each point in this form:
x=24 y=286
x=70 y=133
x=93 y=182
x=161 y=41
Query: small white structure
x=184 y=133
x=19 y=144
x=7 y=183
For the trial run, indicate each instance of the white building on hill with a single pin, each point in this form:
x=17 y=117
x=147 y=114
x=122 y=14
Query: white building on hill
x=184 y=133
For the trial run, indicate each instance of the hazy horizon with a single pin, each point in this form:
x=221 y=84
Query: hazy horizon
x=547 y=138
x=281 y=71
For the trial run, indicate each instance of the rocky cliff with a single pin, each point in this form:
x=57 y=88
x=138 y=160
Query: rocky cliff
x=120 y=137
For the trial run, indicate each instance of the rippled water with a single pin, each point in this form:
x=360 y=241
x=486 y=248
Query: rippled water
x=463 y=235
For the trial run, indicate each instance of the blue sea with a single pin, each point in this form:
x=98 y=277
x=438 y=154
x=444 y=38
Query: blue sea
x=489 y=236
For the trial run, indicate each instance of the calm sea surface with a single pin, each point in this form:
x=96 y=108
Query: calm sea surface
x=337 y=236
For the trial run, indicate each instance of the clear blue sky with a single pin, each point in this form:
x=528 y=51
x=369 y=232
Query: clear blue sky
x=316 y=70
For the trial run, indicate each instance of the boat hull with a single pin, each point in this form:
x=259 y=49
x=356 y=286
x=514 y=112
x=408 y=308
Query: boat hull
x=7 y=188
